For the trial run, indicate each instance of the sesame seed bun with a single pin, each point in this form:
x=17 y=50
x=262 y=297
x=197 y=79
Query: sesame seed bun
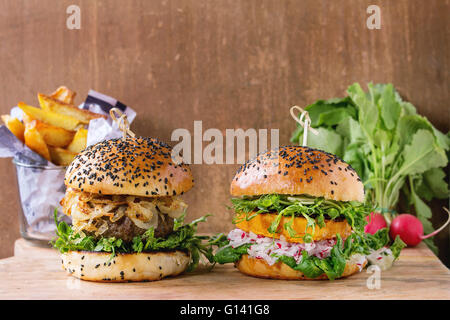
x=261 y=269
x=124 y=267
x=260 y=224
x=298 y=170
x=134 y=166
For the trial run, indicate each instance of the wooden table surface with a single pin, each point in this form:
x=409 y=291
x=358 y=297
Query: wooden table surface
x=35 y=273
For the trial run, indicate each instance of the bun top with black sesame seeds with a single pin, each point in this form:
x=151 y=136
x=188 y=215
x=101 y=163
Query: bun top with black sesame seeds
x=134 y=166
x=297 y=170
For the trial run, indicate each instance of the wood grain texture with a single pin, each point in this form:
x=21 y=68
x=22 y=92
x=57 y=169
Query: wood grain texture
x=231 y=64
x=35 y=273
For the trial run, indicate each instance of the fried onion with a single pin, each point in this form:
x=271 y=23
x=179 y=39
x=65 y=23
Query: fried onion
x=87 y=209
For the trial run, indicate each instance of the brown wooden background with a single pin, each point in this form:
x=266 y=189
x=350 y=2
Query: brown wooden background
x=232 y=64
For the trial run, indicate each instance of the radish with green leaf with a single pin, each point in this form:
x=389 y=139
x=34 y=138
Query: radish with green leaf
x=410 y=229
x=395 y=151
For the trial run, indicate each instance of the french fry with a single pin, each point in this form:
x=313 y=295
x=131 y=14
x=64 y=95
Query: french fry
x=50 y=104
x=54 y=136
x=61 y=157
x=52 y=118
x=27 y=118
x=79 y=141
x=34 y=140
x=64 y=94
x=15 y=126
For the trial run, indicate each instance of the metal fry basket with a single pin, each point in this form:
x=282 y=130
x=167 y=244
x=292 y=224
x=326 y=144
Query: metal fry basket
x=41 y=188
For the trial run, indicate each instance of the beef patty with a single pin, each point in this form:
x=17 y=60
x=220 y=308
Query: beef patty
x=125 y=229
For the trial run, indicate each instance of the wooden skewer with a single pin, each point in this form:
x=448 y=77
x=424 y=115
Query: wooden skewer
x=122 y=122
x=306 y=124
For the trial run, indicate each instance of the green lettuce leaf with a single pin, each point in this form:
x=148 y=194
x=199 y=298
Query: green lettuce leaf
x=229 y=254
x=307 y=265
x=397 y=246
x=183 y=238
x=311 y=266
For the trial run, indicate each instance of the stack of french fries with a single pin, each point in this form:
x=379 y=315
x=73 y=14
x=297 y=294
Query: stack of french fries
x=57 y=130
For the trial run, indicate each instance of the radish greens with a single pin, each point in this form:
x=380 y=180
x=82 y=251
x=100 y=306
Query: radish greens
x=394 y=150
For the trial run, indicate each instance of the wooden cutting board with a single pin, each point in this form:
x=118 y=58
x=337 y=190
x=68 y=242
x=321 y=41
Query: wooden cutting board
x=35 y=273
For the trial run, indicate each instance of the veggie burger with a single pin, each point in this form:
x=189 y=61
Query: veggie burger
x=299 y=214
x=127 y=216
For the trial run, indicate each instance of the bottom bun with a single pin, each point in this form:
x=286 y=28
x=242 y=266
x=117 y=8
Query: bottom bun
x=259 y=268
x=124 y=267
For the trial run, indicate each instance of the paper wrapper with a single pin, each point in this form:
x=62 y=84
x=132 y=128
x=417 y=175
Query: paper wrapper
x=40 y=182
